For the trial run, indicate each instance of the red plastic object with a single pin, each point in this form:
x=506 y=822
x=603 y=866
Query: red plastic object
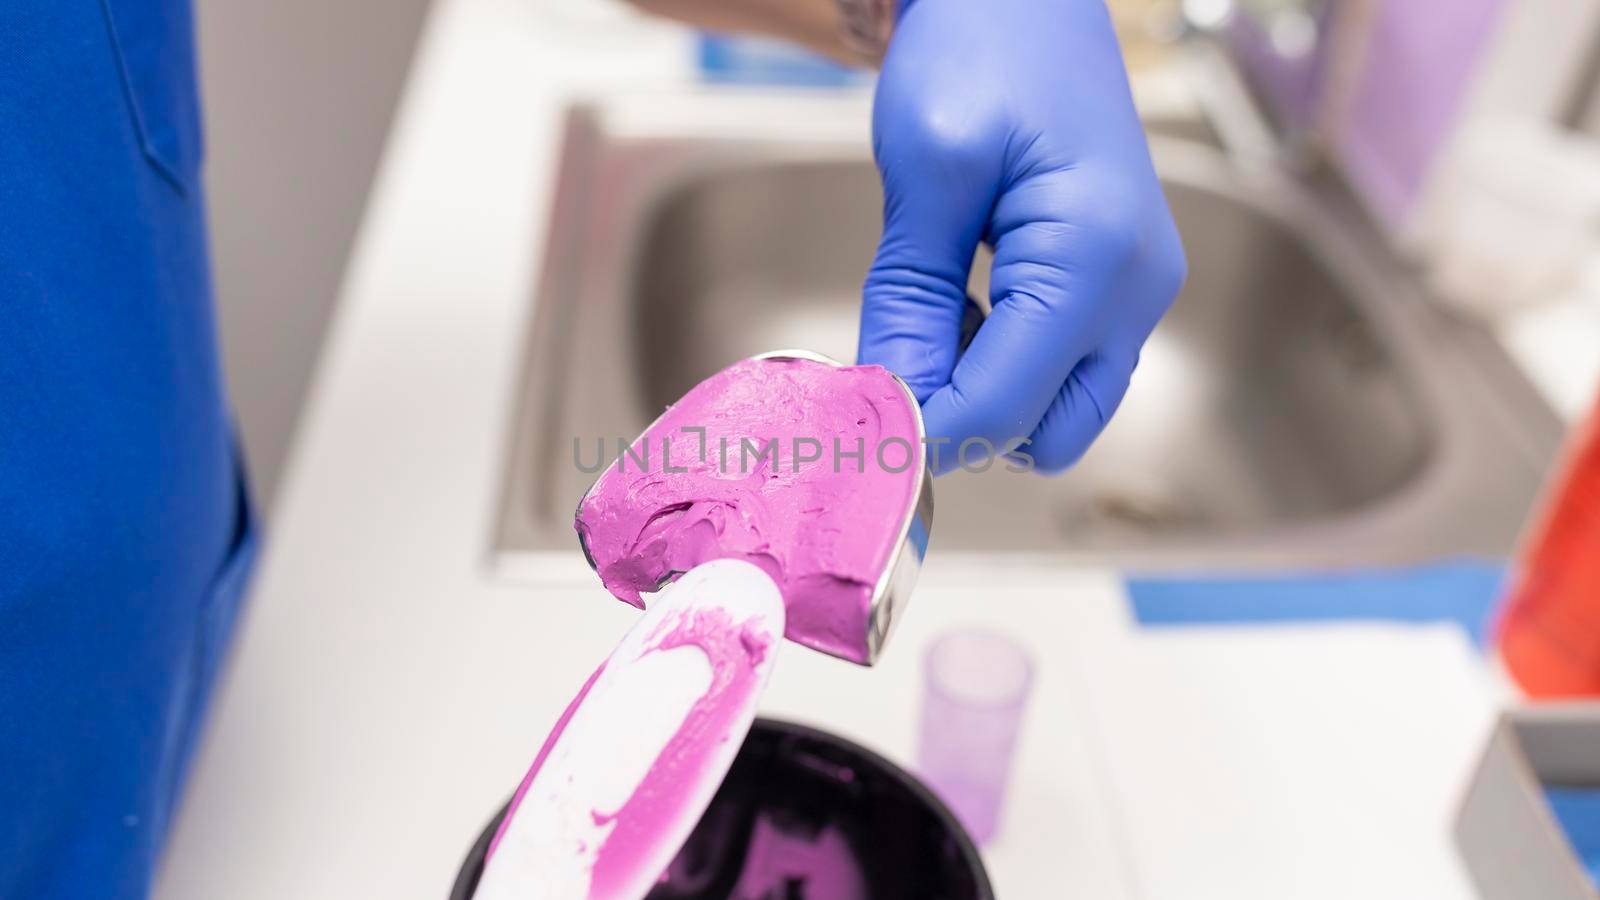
x=1549 y=628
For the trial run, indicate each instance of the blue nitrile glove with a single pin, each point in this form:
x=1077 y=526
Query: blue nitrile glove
x=1011 y=121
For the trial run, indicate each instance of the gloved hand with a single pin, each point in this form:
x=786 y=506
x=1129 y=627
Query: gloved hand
x=1011 y=121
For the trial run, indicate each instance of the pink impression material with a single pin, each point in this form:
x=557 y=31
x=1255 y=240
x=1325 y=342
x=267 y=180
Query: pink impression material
x=824 y=863
x=804 y=469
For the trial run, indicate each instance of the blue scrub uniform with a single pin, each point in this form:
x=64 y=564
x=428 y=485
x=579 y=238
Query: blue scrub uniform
x=124 y=530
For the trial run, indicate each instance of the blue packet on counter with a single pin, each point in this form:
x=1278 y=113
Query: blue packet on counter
x=743 y=60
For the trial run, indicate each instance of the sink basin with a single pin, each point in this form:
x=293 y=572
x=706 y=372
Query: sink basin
x=1302 y=403
x=1263 y=398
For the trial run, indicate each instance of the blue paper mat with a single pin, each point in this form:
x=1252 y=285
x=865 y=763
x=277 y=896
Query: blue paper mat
x=743 y=60
x=1462 y=591
x=1577 y=809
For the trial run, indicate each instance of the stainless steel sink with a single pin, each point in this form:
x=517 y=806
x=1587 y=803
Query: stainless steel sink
x=1302 y=404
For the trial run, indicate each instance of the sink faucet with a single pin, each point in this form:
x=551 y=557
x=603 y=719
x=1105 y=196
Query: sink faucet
x=1301 y=59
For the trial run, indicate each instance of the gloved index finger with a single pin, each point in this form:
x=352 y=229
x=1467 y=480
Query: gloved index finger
x=938 y=191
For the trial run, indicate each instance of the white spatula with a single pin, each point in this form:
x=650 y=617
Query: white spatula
x=638 y=756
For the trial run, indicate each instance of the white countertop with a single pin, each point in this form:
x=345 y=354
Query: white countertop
x=387 y=691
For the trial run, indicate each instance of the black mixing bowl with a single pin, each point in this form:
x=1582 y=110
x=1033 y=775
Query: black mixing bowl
x=904 y=843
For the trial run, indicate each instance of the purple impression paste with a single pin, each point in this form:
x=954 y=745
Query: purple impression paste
x=804 y=469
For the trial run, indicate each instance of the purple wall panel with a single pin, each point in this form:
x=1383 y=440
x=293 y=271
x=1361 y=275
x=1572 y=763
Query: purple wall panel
x=1420 y=58
x=1419 y=67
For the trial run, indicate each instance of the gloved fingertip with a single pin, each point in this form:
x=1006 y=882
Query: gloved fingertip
x=912 y=360
x=1077 y=415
